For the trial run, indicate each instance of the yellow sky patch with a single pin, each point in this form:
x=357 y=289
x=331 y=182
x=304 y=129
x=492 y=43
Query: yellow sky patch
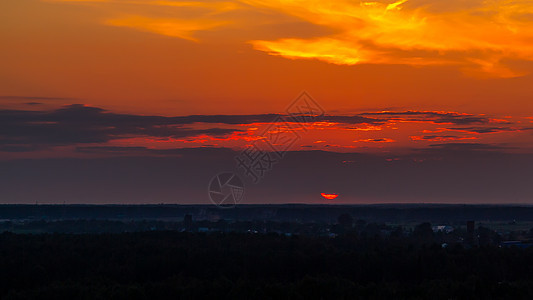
x=477 y=36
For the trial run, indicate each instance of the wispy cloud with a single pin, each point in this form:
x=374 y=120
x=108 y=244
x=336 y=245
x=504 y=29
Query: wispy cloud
x=87 y=127
x=376 y=140
x=35 y=98
x=479 y=37
x=466 y=147
x=184 y=29
x=442 y=138
x=476 y=36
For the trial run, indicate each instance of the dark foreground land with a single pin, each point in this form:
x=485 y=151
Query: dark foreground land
x=266 y=252
x=390 y=213
x=184 y=265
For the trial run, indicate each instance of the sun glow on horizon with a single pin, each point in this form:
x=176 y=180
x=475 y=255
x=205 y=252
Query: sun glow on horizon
x=329 y=196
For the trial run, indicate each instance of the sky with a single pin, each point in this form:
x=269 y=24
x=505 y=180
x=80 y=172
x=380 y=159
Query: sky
x=144 y=101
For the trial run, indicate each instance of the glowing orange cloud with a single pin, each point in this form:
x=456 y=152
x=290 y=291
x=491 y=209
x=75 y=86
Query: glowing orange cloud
x=376 y=140
x=476 y=36
x=171 y=27
x=436 y=138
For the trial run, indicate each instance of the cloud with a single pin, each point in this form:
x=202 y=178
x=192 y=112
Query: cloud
x=171 y=27
x=112 y=149
x=481 y=130
x=79 y=125
x=467 y=147
x=476 y=36
x=35 y=98
x=441 y=138
x=433 y=116
x=18 y=148
x=479 y=37
x=376 y=140
x=181 y=19
x=145 y=151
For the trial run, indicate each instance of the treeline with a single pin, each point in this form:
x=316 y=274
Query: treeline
x=393 y=213
x=181 y=265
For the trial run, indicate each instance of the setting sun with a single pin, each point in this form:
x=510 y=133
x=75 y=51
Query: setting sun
x=329 y=196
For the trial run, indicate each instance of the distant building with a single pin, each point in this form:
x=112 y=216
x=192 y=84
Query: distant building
x=442 y=228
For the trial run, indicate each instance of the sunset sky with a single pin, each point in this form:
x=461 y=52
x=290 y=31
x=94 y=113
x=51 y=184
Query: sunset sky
x=143 y=101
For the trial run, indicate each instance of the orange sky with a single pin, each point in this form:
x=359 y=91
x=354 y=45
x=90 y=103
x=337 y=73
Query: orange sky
x=165 y=57
x=177 y=58
x=143 y=101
